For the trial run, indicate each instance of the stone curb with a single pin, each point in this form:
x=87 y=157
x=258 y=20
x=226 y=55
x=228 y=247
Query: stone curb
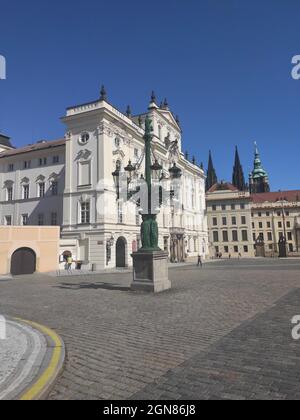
x=41 y=364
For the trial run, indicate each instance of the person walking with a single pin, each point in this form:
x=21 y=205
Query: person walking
x=200 y=261
x=69 y=263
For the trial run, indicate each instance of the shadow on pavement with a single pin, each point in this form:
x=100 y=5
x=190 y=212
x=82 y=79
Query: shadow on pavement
x=94 y=286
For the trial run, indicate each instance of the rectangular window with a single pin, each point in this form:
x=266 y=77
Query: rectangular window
x=41 y=189
x=225 y=236
x=54 y=219
x=10 y=167
x=26 y=164
x=254 y=237
x=291 y=248
x=261 y=236
x=85 y=212
x=270 y=236
x=25 y=192
x=42 y=161
x=232 y=206
x=54 y=187
x=268 y=214
x=8 y=220
x=280 y=225
x=288 y=224
x=246 y=249
x=243 y=220
x=216 y=236
x=226 y=249
x=40 y=219
x=9 y=194
x=55 y=159
x=214 y=208
x=268 y=225
x=24 y=219
x=260 y=225
x=223 y=207
x=215 y=221
x=224 y=221
x=233 y=220
x=253 y=225
x=235 y=236
x=244 y=235
x=236 y=249
x=290 y=236
x=259 y=214
x=242 y=206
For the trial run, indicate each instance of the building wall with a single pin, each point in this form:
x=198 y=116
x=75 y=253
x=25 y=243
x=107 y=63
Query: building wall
x=43 y=240
x=228 y=205
x=34 y=206
x=268 y=221
x=112 y=138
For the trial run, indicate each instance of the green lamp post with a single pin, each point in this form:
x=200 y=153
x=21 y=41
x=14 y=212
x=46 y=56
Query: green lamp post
x=150 y=263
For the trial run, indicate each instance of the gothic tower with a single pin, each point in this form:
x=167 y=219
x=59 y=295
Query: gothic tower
x=258 y=179
x=211 y=174
x=238 y=179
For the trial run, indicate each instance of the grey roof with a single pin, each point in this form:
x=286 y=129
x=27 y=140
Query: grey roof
x=5 y=141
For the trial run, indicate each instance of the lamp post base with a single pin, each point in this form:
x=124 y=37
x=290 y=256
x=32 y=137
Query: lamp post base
x=150 y=271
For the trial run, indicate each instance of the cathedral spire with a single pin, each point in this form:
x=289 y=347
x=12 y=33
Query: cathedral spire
x=258 y=179
x=238 y=179
x=211 y=174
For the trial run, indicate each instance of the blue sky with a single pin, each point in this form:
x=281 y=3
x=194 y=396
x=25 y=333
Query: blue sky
x=224 y=65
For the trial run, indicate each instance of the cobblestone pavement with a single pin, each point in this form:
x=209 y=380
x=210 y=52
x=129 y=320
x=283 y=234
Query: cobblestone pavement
x=223 y=331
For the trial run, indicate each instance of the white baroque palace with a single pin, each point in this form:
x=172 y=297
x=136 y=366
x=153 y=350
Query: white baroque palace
x=69 y=182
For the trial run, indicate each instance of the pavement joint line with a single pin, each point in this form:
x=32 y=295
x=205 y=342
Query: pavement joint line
x=50 y=373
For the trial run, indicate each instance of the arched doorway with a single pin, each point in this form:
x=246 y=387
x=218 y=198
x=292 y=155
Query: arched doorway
x=121 y=246
x=23 y=261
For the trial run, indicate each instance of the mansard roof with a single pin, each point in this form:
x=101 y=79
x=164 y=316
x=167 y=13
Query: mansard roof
x=42 y=145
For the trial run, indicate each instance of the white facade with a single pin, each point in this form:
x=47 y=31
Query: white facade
x=32 y=184
x=96 y=227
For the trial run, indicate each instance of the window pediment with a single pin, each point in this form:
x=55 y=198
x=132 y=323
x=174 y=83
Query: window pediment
x=25 y=180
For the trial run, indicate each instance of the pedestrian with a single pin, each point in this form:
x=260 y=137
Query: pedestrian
x=240 y=255
x=200 y=261
x=69 y=262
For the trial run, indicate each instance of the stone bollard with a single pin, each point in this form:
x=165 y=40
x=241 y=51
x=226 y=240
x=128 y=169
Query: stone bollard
x=2 y=328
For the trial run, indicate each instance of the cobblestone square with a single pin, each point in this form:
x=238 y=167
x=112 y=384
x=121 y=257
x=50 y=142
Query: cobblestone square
x=221 y=332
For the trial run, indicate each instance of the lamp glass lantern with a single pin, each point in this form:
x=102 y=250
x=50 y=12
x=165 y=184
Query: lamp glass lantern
x=175 y=172
x=156 y=169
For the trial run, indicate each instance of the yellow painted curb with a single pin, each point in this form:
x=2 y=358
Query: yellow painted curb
x=50 y=373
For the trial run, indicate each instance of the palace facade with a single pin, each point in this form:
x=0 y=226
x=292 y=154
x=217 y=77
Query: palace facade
x=249 y=220
x=69 y=182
